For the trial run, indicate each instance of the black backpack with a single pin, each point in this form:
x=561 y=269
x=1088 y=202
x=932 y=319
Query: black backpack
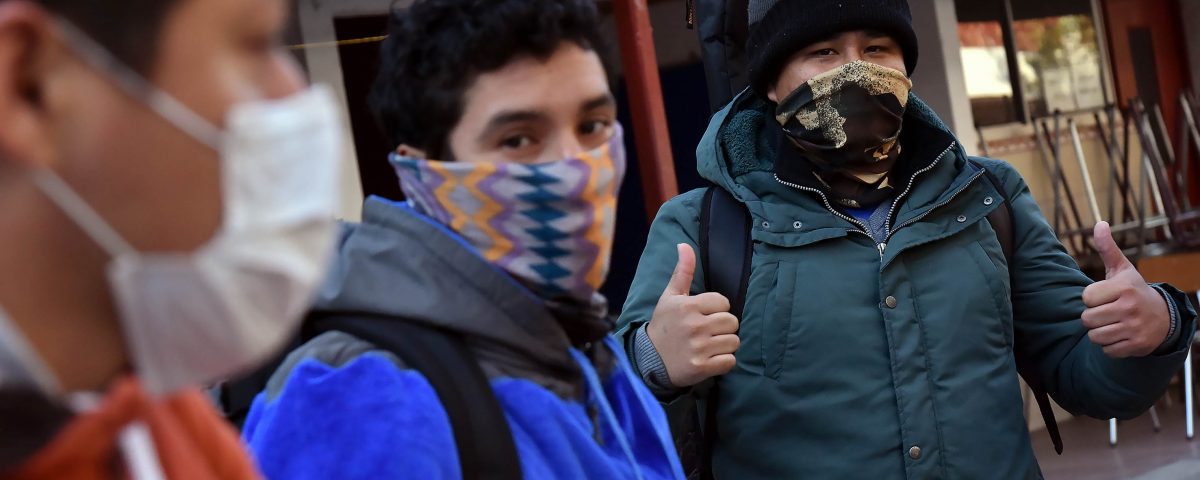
x=485 y=444
x=725 y=227
x=722 y=30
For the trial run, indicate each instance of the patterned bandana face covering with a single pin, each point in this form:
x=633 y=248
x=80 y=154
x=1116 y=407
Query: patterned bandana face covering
x=848 y=119
x=550 y=225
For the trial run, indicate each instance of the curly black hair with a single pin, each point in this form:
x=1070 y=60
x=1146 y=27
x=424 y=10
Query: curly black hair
x=437 y=48
x=127 y=28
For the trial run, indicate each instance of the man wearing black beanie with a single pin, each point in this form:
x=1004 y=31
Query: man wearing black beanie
x=895 y=285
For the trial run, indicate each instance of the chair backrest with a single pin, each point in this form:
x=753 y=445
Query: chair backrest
x=1178 y=269
x=1166 y=165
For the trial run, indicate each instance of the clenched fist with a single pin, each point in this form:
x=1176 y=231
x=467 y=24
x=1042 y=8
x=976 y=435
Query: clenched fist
x=1124 y=315
x=695 y=334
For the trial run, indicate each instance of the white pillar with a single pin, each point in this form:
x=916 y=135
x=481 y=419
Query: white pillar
x=938 y=78
x=324 y=66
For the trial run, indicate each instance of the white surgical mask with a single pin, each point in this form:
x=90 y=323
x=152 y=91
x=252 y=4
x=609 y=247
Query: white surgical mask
x=199 y=317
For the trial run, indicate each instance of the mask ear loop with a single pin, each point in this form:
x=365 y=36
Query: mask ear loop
x=84 y=215
x=14 y=348
x=138 y=88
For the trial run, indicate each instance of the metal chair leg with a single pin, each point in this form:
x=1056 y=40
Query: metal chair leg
x=1188 y=401
x=1154 y=419
x=1187 y=393
x=1112 y=432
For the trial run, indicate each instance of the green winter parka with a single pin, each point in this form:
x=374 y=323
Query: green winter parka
x=893 y=359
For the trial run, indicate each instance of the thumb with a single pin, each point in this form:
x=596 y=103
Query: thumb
x=685 y=269
x=1110 y=253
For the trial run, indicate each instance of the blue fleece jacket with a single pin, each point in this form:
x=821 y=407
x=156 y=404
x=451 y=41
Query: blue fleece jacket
x=371 y=419
x=340 y=408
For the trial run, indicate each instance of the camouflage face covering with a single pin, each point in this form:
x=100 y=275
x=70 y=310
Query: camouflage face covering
x=848 y=120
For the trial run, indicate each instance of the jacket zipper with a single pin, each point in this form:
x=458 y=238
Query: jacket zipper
x=939 y=205
x=882 y=246
x=862 y=228
x=912 y=181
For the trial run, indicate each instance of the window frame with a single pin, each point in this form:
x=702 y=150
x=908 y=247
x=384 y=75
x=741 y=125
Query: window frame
x=1019 y=105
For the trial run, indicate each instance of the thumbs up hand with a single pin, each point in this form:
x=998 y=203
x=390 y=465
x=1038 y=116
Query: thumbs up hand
x=1124 y=315
x=695 y=335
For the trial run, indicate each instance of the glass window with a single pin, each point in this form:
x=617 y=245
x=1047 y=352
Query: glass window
x=1060 y=64
x=985 y=64
x=1052 y=44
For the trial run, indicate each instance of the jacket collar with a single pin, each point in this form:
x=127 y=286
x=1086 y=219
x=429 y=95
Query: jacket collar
x=743 y=142
x=399 y=263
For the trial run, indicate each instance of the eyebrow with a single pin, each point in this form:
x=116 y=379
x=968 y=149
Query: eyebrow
x=504 y=118
x=601 y=101
x=871 y=33
x=508 y=117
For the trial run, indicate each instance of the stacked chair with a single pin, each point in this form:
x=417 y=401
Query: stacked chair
x=1176 y=257
x=1147 y=201
x=1151 y=212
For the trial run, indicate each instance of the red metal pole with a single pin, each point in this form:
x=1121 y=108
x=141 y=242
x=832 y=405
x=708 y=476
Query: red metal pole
x=645 y=102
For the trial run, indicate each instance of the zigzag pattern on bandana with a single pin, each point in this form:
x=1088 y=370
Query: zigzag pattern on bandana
x=542 y=212
x=550 y=225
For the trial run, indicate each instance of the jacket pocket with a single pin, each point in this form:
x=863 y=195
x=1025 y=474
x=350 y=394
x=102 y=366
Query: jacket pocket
x=997 y=282
x=777 y=319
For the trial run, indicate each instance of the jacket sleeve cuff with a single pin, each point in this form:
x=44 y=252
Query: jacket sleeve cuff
x=650 y=364
x=1124 y=388
x=1183 y=320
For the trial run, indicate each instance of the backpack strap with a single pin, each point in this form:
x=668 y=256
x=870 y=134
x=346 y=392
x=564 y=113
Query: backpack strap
x=725 y=253
x=1001 y=220
x=722 y=30
x=725 y=247
x=486 y=449
x=235 y=396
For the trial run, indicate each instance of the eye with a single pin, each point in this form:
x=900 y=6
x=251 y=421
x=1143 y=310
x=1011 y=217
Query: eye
x=876 y=49
x=516 y=142
x=594 y=127
x=824 y=52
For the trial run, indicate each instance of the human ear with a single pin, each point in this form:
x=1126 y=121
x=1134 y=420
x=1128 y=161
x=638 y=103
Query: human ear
x=28 y=51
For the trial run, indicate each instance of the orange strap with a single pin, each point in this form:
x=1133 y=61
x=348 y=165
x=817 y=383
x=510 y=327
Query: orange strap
x=190 y=439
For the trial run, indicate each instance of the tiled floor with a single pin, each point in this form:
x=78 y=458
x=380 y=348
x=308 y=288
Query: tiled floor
x=1141 y=454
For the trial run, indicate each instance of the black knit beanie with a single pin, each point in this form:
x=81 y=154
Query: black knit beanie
x=780 y=28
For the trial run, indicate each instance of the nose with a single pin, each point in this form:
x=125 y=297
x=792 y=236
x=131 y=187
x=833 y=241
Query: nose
x=571 y=144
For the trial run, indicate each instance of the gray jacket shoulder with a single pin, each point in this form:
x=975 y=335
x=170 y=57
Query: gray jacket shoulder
x=333 y=348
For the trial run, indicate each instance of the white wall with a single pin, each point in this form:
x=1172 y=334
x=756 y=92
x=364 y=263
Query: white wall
x=938 y=78
x=325 y=66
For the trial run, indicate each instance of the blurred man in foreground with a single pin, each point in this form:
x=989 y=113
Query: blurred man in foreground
x=167 y=192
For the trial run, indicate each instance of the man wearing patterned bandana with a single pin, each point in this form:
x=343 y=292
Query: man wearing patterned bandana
x=510 y=157
x=882 y=315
